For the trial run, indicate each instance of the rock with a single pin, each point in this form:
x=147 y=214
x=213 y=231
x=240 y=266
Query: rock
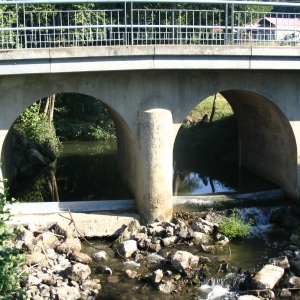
x=80 y=257
x=131 y=274
x=66 y=292
x=183 y=260
x=200 y=238
x=154 y=247
x=93 y=284
x=35 y=158
x=169 y=241
x=47 y=240
x=127 y=248
x=167 y=288
x=104 y=270
x=285 y=293
x=294 y=281
x=267 y=277
x=203 y=226
x=33 y=280
x=295 y=239
x=157 y=276
x=248 y=297
x=65 y=229
x=38 y=227
x=181 y=230
x=26 y=240
x=214 y=217
x=295 y=266
x=70 y=245
x=144 y=243
x=131 y=230
x=36 y=258
x=280 y=262
x=100 y=256
x=77 y=272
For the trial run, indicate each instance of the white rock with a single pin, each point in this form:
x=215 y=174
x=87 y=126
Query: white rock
x=183 y=259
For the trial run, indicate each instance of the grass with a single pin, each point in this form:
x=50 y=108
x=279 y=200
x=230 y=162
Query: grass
x=216 y=140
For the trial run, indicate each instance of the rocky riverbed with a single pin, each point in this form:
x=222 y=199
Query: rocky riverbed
x=157 y=256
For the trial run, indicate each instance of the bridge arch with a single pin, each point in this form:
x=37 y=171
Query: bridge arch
x=267 y=142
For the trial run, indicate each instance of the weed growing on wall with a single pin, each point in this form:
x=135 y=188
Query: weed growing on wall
x=11 y=260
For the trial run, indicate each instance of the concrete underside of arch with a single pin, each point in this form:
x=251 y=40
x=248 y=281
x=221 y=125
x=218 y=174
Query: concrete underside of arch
x=149 y=106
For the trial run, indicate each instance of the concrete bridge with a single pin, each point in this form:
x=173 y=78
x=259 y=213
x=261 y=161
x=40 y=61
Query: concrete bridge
x=149 y=90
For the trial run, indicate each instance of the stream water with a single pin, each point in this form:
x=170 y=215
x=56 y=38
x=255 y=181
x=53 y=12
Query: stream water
x=248 y=254
x=89 y=171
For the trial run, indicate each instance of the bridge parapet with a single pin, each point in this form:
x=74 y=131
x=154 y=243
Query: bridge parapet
x=68 y=23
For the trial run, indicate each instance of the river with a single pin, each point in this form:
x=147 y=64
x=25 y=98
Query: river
x=89 y=171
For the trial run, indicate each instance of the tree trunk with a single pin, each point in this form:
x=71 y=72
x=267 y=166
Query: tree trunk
x=213 y=109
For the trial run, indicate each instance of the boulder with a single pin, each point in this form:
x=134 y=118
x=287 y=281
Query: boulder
x=78 y=272
x=157 y=276
x=100 y=256
x=282 y=262
x=69 y=246
x=127 y=248
x=47 y=240
x=65 y=229
x=203 y=226
x=80 y=257
x=183 y=260
x=267 y=277
x=67 y=292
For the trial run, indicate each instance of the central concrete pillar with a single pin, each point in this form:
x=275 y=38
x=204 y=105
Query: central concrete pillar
x=155 y=140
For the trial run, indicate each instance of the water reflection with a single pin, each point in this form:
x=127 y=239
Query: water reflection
x=89 y=171
x=85 y=171
x=202 y=176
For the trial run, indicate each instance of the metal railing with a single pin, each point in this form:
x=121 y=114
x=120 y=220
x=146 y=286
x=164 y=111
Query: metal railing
x=37 y=24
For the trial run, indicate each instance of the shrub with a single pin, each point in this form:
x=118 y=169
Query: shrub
x=11 y=261
x=234 y=227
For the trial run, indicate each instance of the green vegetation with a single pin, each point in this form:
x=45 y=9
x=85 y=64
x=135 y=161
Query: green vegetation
x=34 y=124
x=215 y=140
x=234 y=227
x=11 y=261
x=81 y=117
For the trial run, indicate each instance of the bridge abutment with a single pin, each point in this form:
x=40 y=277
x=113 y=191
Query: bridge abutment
x=155 y=141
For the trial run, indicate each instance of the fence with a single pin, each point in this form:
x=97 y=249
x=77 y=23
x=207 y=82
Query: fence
x=35 y=24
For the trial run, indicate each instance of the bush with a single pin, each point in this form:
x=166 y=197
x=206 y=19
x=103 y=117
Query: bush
x=234 y=227
x=11 y=261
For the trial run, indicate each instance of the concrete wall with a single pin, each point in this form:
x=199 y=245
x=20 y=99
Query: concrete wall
x=266 y=103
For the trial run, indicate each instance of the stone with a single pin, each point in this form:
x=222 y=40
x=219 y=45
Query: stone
x=65 y=229
x=267 y=277
x=295 y=266
x=200 y=238
x=157 y=276
x=99 y=256
x=35 y=158
x=80 y=257
x=36 y=258
x=127 y=248
x=70 y=245
x=131 y=274
x=203 y=226
x=104 y=270
x=167 y=288
x=295 y=239
x=78 y=272
x=169 y=241
x=26 y=240
x=280 y=262
x=285 y=293
x=47 y=240
x=132 y=229
x=66 y=292
x=294 y=281
x=248 y=297
x=183 y=260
